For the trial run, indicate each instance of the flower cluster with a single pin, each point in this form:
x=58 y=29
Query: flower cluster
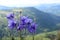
x=11 y=21
x=24 y=22
x=27 y=23
x=32 y=28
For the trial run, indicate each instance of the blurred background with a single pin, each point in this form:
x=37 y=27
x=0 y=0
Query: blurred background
x=46 y=13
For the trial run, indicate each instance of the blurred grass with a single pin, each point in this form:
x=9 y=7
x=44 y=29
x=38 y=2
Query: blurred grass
x=40 y=36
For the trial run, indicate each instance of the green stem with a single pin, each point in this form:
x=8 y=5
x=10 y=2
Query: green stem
x=12 y=38
x=33 y=36
x=25 y=33
x=21 y=38
x=20 y=34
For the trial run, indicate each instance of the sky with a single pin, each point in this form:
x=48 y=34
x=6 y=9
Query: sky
x=22 y=3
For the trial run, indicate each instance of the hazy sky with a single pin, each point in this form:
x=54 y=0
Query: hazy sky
x=20 y=3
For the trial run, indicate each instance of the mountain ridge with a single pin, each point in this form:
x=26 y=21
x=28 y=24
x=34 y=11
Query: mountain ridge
x=50 y=8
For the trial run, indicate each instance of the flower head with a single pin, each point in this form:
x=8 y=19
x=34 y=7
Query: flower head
x=11 y=21
x=20 y=27
x=22 y=19
x=32 y=28
x=10 y=16
x=28 y=21
x=11 y=24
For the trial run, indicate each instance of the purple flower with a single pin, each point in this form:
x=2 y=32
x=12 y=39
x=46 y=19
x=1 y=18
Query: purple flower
x=32 y=28
x=11 y=24
x=22 y=19
x=25 y=20
x=28 y=21
x=10 y=16
x=20 y=27
x=11 y=21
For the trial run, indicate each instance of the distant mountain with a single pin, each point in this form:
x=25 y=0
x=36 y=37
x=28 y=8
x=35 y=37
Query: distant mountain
x=45 y=21
x=50 y=8
x=4 y=8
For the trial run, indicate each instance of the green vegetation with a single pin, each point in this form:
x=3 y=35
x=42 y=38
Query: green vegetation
x=44 y=20
x=41 y=36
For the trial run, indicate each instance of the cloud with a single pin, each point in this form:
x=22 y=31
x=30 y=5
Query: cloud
x=21 y=3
